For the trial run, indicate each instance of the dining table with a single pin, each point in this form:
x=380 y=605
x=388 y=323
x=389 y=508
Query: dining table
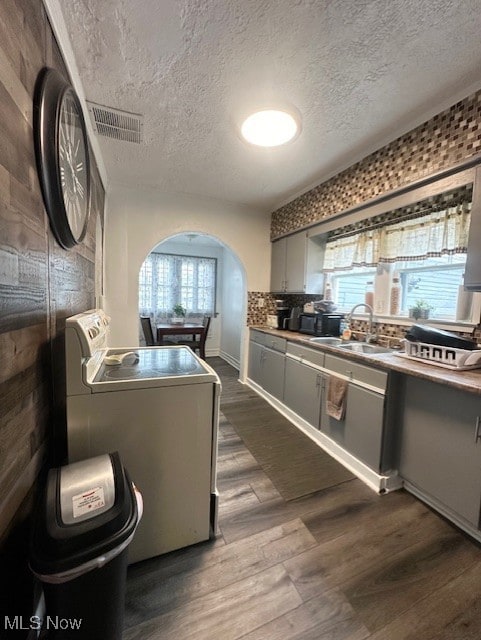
x=186 y=329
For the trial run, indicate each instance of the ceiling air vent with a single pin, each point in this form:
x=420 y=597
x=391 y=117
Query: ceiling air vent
x=116 y=124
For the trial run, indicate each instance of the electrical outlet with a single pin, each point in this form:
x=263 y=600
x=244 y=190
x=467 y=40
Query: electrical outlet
x=260 y=302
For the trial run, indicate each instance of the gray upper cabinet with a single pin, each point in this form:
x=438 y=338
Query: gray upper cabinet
x=296 y=264
x=441 y=447
x=472 y=275
x=278 y=265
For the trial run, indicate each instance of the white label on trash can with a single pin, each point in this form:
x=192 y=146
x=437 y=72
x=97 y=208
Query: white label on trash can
x=88 y=501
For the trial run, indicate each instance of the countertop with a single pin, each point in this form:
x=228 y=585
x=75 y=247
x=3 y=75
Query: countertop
x=467 y=380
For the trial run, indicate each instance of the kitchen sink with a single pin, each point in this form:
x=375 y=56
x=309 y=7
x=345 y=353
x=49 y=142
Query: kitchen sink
x=364 y=347
x=356 y=347
x=326 y=340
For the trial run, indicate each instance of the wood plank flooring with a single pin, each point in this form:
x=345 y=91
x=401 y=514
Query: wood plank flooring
x=339 y=564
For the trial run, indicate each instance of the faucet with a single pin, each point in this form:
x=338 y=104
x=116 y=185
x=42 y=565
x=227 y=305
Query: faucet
x=370 y=335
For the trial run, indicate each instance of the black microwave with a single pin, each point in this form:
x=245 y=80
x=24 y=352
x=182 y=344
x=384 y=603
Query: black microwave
x=320 y=324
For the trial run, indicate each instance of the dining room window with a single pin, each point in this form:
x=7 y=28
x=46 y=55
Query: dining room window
x=168 y=279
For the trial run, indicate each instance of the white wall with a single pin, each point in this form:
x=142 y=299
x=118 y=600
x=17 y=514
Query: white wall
x=138 y=219
x=233 y=309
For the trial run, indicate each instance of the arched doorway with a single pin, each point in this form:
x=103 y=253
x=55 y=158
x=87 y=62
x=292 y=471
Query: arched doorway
x=228 y=325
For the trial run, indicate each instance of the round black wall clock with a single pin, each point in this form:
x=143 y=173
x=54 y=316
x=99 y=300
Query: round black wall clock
x=61 y=147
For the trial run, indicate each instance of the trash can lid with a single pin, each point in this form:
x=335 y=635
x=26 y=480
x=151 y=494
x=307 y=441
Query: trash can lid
x=87 y=509
x=86 y=489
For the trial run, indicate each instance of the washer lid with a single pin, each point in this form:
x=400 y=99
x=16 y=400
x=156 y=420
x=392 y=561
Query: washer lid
x=157 y=362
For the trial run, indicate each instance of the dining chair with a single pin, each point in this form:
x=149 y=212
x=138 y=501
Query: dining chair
x=150 y=341
x=199 y=345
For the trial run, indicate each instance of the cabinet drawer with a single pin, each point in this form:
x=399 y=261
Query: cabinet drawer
x=258 y=337
x=275 y=342
x=356 y=372
x=268 y=340
x=308 y=355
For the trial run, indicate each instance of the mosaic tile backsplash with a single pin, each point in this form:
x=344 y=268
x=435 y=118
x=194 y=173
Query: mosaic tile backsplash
x=450 y=137
x=257 y=315
x=388 y=333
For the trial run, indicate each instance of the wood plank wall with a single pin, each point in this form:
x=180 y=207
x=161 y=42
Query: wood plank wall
x=40 y=283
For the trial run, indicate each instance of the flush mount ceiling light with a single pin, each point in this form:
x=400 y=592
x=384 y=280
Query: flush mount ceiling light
x=269 y=128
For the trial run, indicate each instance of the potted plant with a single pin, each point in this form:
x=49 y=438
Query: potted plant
x=178 y=314
x=421 y=310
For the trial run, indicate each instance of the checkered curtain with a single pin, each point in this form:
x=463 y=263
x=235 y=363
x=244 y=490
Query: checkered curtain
x=436 y=234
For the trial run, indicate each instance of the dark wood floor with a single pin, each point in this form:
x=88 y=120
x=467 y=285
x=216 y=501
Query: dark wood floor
x=340 y=564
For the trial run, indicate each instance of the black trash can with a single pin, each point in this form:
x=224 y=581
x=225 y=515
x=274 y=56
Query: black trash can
x=84 y=524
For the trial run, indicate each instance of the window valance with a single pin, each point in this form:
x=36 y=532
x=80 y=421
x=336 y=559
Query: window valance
x=437 y=233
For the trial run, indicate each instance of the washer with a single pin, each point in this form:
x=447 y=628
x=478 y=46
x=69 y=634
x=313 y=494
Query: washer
x=158 y=407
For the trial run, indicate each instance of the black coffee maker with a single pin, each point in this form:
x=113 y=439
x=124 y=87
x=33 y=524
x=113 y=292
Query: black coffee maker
x=292 y=322
x=282 y=312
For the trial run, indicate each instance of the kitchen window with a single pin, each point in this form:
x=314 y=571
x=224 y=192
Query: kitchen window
x=422 y=248
x=420 y=280
x=349 y=288
x=169 y=279
x=437 y=282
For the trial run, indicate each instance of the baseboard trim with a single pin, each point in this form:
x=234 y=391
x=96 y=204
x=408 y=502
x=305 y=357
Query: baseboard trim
x=440 y=508
x=234 y=362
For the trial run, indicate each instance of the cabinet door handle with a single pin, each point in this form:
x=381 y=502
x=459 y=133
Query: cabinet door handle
x=477 y=435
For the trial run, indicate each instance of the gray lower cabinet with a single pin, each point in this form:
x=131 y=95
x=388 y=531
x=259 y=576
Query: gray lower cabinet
x=300 y=381
x=361 y=430
x=441 y=446
x=272 y=373
x=303 y=390
x=266 y=367
x=255 y=358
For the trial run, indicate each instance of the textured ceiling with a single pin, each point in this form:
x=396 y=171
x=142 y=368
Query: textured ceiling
x=359 y=73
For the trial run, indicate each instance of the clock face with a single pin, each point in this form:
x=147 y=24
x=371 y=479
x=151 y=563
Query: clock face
x=72 y=162
x=62 y=151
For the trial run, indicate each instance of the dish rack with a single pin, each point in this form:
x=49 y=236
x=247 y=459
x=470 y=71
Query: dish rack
x=448 y=357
